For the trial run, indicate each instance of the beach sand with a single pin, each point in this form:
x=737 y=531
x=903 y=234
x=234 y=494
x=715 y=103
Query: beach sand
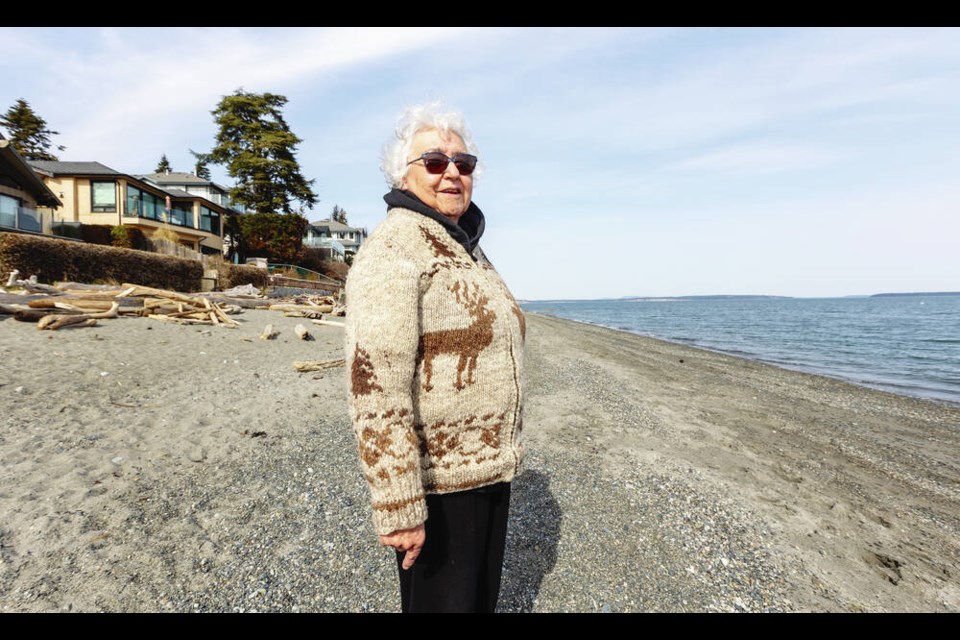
x=157 y=467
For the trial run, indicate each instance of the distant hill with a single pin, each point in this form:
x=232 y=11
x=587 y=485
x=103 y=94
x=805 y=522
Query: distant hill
x=691 y=298
x=918 y=293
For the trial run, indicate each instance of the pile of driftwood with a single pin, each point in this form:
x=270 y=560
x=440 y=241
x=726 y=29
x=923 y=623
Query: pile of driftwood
x=71 y=304
x=80 y=305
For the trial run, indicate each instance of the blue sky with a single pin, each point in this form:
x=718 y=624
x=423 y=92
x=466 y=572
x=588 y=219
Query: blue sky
x=804 y=162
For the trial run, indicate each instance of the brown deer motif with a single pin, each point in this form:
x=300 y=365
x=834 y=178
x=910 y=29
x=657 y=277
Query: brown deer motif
x=363 y=379
x=467 y=342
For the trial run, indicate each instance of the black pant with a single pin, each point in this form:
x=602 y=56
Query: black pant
x=459 y=568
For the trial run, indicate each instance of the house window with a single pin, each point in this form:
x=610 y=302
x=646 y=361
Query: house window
x=180 y=215
x=134 y=202
x=103 y=196
x=8 y=211
x=141 y=204
x=209 y=220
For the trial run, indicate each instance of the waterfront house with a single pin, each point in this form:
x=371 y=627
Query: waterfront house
x=318 y=236
x=193 y=185
x=92 y=193
x=350 y=238
x=22 y=192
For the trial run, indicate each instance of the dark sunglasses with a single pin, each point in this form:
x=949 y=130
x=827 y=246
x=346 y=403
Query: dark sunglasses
x=435 y=162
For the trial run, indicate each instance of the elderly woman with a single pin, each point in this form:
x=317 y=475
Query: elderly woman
x=434 y=344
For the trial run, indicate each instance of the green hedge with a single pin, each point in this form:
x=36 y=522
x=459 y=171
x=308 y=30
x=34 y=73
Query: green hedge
x=95 y=234
x=233 y=275
x=105 y=235
x=51 y=260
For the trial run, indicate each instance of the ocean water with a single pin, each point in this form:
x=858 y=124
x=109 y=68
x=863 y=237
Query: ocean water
x=906 y=344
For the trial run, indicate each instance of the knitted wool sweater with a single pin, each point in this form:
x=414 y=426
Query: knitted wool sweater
x=434 y=347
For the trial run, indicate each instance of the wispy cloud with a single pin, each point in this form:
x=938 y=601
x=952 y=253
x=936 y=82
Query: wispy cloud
x=116 y=84
x=763 y=158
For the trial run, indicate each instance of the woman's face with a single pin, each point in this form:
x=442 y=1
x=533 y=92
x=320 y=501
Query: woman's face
x=448 y=192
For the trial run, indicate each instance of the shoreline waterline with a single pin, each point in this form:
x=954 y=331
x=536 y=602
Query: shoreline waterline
x=892 y=345
x=760 y=360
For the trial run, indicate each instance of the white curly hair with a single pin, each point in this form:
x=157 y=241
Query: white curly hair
x=422 y=117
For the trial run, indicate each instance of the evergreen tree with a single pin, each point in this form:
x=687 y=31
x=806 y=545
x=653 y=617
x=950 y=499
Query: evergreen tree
x=338 y=215
x=275 y=236
x=258 y=149
x=164 y=165
x=28 y=132
x=200 y=169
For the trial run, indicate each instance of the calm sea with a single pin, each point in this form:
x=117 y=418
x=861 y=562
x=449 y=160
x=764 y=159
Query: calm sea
x=908 y=345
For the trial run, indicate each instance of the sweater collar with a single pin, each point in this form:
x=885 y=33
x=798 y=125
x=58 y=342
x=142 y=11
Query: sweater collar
x=467 y=232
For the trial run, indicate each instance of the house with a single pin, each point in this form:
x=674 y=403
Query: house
x=191 y=184
x=318 y=236
x=349 y=237
x=22 y=191
x=93 y=193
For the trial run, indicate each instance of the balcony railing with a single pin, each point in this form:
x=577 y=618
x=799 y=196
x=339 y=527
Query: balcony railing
x=23 y=219
x=314 y=242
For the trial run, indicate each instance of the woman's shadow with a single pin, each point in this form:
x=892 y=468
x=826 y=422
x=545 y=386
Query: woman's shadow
x=532 y=537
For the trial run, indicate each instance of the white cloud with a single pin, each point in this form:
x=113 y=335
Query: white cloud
x=763 y=158
x=119 y=88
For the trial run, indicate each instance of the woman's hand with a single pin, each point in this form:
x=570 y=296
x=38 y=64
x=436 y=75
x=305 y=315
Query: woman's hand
x=409 y=540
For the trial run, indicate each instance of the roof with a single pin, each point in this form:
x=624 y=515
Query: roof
x=179 y=193
x=333 y=225
x=13 y=165
x=180 y=177
x=56 y=167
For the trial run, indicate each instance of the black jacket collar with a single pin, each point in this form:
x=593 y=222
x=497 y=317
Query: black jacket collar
x=467 y=232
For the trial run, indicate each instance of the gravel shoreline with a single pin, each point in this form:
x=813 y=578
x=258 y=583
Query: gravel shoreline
x=149 y=467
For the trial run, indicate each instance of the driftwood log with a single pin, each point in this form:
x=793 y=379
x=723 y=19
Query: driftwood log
x=304 y=314
x=286 y=306
x=11 y=309
x=269 y=333
x=33 y=315
x=137 y=290
x=54 y=322
x=317 y=365
x=340 y=306
x=72 y=304
x=179 y=320
x=329 y=323
x=243 y=303
x=302 y=332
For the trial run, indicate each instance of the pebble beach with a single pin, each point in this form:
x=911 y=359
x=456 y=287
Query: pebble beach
x=157 y=467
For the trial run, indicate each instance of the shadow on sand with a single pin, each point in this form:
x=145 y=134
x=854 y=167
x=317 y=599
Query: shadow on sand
x=532 y=538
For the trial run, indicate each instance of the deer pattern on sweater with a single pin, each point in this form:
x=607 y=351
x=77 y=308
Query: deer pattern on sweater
x=466 y=343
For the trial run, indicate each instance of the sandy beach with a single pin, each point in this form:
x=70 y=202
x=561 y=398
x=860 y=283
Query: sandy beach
x=156 y=467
